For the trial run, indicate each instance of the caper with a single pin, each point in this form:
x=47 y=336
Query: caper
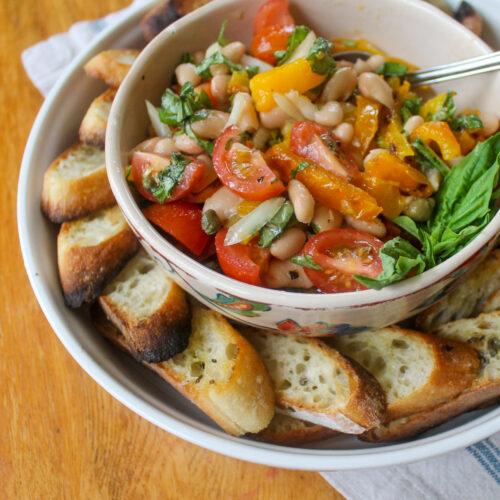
x=210 y=222
x=420 y=209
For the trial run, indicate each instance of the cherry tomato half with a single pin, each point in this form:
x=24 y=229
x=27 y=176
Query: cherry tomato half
x=144 y=164
x=182 y=220
x=247 y=263
x=321 y=146
x=342 y=253
x=243 y=170
x=273 y=13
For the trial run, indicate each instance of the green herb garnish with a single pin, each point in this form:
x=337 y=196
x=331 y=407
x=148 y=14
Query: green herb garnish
x=410 y=107
x=445 y=112
x=276 y=226
x=221 y=40
x=321 y=58
x=301 y=166
x=462 y=122
x=166 y=180
x=186 y=57
x=305 y=260
x=428 y=159
x=392 y=69
x=294 y=40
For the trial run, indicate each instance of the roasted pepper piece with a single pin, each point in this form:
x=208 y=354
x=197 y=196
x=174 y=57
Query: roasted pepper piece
x=366 y=125
x=442 y=135
x=385 y=192
x=280 y=158
x=466 y=141
x=393 y=138
x=296 y=75
x=432 y=105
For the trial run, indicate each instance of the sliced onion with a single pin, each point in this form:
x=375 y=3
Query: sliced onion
x=247 y=226
x=161 y=129
x=303 y=49
x=247 y=60
x=288 y=107
x=302 y=103
x=243 y=113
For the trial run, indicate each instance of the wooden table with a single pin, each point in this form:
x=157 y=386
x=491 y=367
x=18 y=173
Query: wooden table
x=61 y=435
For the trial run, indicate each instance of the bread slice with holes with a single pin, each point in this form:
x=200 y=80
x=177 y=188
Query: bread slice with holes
x=289 y=431
x=90 y=253
x=467 y=298
x=76 y=184
x=219 y=371
x=149 y=309
x=417 y=371
x=93 y=126
x=483 y=335
x=314 y=382
x=111 y=65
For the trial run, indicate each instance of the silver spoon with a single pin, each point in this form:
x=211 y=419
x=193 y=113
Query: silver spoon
x=460 y=69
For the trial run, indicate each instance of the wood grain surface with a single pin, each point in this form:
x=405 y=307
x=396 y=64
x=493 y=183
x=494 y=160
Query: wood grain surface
x=61 y=435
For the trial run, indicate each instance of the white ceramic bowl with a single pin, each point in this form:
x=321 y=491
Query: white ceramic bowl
x=408 y=29
x=55 y=128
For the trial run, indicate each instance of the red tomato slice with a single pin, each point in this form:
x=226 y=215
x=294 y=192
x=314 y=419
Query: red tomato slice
x=243 y=170
x=273 y=13
x=342 y=253
x=319 y=145
x=245 y=263
x=182 y=220
x=268 y=41
x=151 y=163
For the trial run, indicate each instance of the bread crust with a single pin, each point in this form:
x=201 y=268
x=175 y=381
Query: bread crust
x=93 y=127
x=65 y=199
x=109 y=66
x=157 y=19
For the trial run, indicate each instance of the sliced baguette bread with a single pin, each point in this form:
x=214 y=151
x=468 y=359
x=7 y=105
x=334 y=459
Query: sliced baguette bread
x=91 y=251
x=220 y=372
x=76 y=184
x=316 y=383
x=149 y=309
x=158 y=18
x=492 y=303
x=467 y=299
x=111 y=65
x=417 y=371
x=289 y=431
x=93 y=126
x=481 y=333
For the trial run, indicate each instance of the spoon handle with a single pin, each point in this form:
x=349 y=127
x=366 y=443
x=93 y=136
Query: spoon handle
x=460 y=69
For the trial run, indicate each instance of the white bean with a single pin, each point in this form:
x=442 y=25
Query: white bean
x=147 y=146
x=455 y=161
x=435 y=178
x=223 y=202
x=291 y=243
x=165 y=146
x=330 y=114
x=340 y=86
x=326 y=218
x=286 y=274
x=187 y=145
x=412 y=123
x=219 y=69
x=375 y=61
x=344 y=63
x=218 y=86
x=490 y=123
x=186 y=72
x=211 y=126
x=376 y=227
x=301 y=200
x=345 y=132
x=361 y=66
x=198 y=56
x=275 y=118
x=374 y=86
x=234 y=51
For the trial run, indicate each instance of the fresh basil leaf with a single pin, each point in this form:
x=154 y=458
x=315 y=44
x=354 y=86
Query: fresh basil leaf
x=186 y=57
x=168 y=178
x=321 y=58
x=306 y=261
x=446 y=111
x=276 y=226
x=392 y=69
x=463 y=122
x=294 y=40
x=208 y=146
x=221 y=40
x=301 y=166
x=398 y=257
x=252 y=71
x=410 y=107
x=428 y=159
x=409 y=225
x=203 y=69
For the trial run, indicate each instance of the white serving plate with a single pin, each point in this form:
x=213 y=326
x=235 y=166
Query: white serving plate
x=56 y=128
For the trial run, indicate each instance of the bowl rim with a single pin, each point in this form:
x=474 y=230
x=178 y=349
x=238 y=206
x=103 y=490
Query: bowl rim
x=170 y=419
x=224 y=283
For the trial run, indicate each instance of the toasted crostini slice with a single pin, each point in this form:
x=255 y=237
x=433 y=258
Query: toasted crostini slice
x=76 y=184
x=91 y=251
x=93 y=126
x=314 y=382
x=149 y=309
x=111 y=65
x=158 y=18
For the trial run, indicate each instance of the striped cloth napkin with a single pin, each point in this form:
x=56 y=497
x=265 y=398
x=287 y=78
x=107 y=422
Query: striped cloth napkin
x=465 y=474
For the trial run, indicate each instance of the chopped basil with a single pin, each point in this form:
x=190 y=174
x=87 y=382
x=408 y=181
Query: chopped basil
x=445 y=112
x=210 y=222
x=208 y=146
x=203 y=69
x=301 y=166
x=410 y=107
x=392 y=69
x=251 y=71
x=167 y=179
x=321 y=58
x=305 y=260
x=276 y=226
x=221 y=40
x=294 y=40
x=462 y=122
x=428 y=159
x=186 y=57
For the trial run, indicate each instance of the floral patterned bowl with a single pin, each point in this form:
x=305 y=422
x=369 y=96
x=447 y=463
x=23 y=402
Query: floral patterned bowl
x=410 y=31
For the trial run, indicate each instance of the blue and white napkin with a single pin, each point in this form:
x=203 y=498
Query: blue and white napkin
x=472 y=473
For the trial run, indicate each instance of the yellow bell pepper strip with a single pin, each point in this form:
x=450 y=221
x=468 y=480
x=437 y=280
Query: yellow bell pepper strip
x=433 y=105
x=296 y=75
x=386 y=166
x=385 y=192
x=442 y=135
x=467 y=142
x=392 y=138
x=338 y=194
x=366 y=125
x=238 y=83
